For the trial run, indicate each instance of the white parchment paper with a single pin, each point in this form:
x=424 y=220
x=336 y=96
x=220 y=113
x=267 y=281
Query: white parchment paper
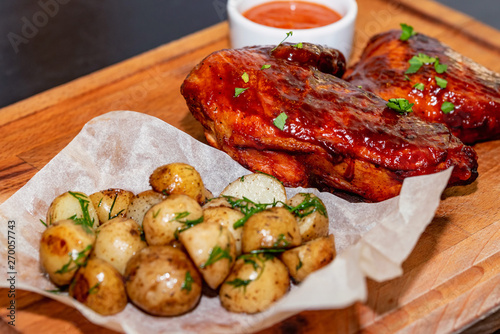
x=120 y=150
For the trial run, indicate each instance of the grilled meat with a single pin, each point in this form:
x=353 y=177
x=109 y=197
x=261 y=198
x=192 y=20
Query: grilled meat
x=283 y=111
x=472 y=90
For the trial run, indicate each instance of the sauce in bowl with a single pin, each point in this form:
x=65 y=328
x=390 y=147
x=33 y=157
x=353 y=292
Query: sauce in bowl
x=292 y=15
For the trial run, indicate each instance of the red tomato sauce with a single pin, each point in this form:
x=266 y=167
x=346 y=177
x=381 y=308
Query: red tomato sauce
x=292 y=14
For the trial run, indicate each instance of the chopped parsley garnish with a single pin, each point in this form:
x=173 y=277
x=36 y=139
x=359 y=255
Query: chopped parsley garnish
x=265 y=66
x=309 y=205
x=298 y=45
x=75 y=260
x=280 y=121
x=416 y=62
x=247 y=207
x=419 y=86
x=44 y=223
x=400 y=105
x=281 y=241
x=238 y=283
x=216 y=254
x=86 y=222
x=95 y=288
x=245 y=77
x=188 y=282
x=441 y=82
x=187 y=223
x=447 y=107
x=440 y=68
x=288 y=34
x=238 y=91
x=406 y=32
x=299 y=265
x=111 y=209
x=155 y=214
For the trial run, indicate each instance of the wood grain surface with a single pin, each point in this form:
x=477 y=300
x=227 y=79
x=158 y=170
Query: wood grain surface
x=451 y=281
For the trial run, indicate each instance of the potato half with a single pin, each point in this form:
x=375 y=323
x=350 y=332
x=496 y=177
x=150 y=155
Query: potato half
x=179 y=178
x=72 y=204
x=163 y=281
x=164 y=220
x=255 y=283
x=142 y=202
x=212 y=248
x=111 y=203
x=272 y=228
x=311 y=256
x=64 y=248
x=117 y=241
x=226 y=217
x=99 y=286
x=311 y=216
x=257 y=187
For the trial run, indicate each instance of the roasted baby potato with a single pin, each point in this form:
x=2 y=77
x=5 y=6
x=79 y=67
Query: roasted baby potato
x=311 y=216
x=99 y=286
x=111 y=203
x=212 y=248
x=257 y=187
x=64 y=247
x=179 y=178
x=272 y=228
x=71 y=205
x=165 y=220
x=226 y=217
x=142 y=202
x=163 y=281
x=255 y=283
x=311 y=256
x=117 y=241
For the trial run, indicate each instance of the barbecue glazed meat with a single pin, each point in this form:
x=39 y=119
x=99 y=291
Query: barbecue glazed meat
x=335 y=136
x=471 y=88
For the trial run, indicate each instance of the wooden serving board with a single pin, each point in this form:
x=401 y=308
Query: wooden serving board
x=450 y=281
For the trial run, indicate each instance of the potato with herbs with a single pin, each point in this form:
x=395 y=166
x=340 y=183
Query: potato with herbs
x=270 y=229
x=257 y=187
x=226 y=217
x=142 y=202
x=72 y=205
x=255 y=283
x=111 y=203
x=212 y=248
x=311 y=256
x=179 y=178
x=163 y=281
x=165 y=220
x=64 y=247
x=311 y=216
x=117 y=241
x=99 y=286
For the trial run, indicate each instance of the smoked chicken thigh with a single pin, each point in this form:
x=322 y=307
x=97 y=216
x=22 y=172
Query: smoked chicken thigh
x=335 y=136
x=471 y=88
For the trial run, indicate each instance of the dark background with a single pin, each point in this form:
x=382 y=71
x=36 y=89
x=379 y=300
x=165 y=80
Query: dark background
x=45 y=43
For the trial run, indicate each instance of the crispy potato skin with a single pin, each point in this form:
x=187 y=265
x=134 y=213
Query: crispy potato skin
x=156 y=281
x=311 y=256
x=163 y=220
x=99 y=286
x=142 y=202
x=111 y=203
x=117 y=241
x=212 y=248
x=60 y=245
x=268 y=281
x=179 y=178
x=272 y=228
x=67 y=205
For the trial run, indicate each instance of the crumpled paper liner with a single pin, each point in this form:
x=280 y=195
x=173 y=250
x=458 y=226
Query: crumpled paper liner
x=121 y=149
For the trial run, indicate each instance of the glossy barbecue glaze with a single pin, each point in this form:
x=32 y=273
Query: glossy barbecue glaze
x=473 y=89
x=336 y=136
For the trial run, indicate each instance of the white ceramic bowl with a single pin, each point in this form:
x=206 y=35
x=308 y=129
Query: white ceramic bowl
x=338 y=35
